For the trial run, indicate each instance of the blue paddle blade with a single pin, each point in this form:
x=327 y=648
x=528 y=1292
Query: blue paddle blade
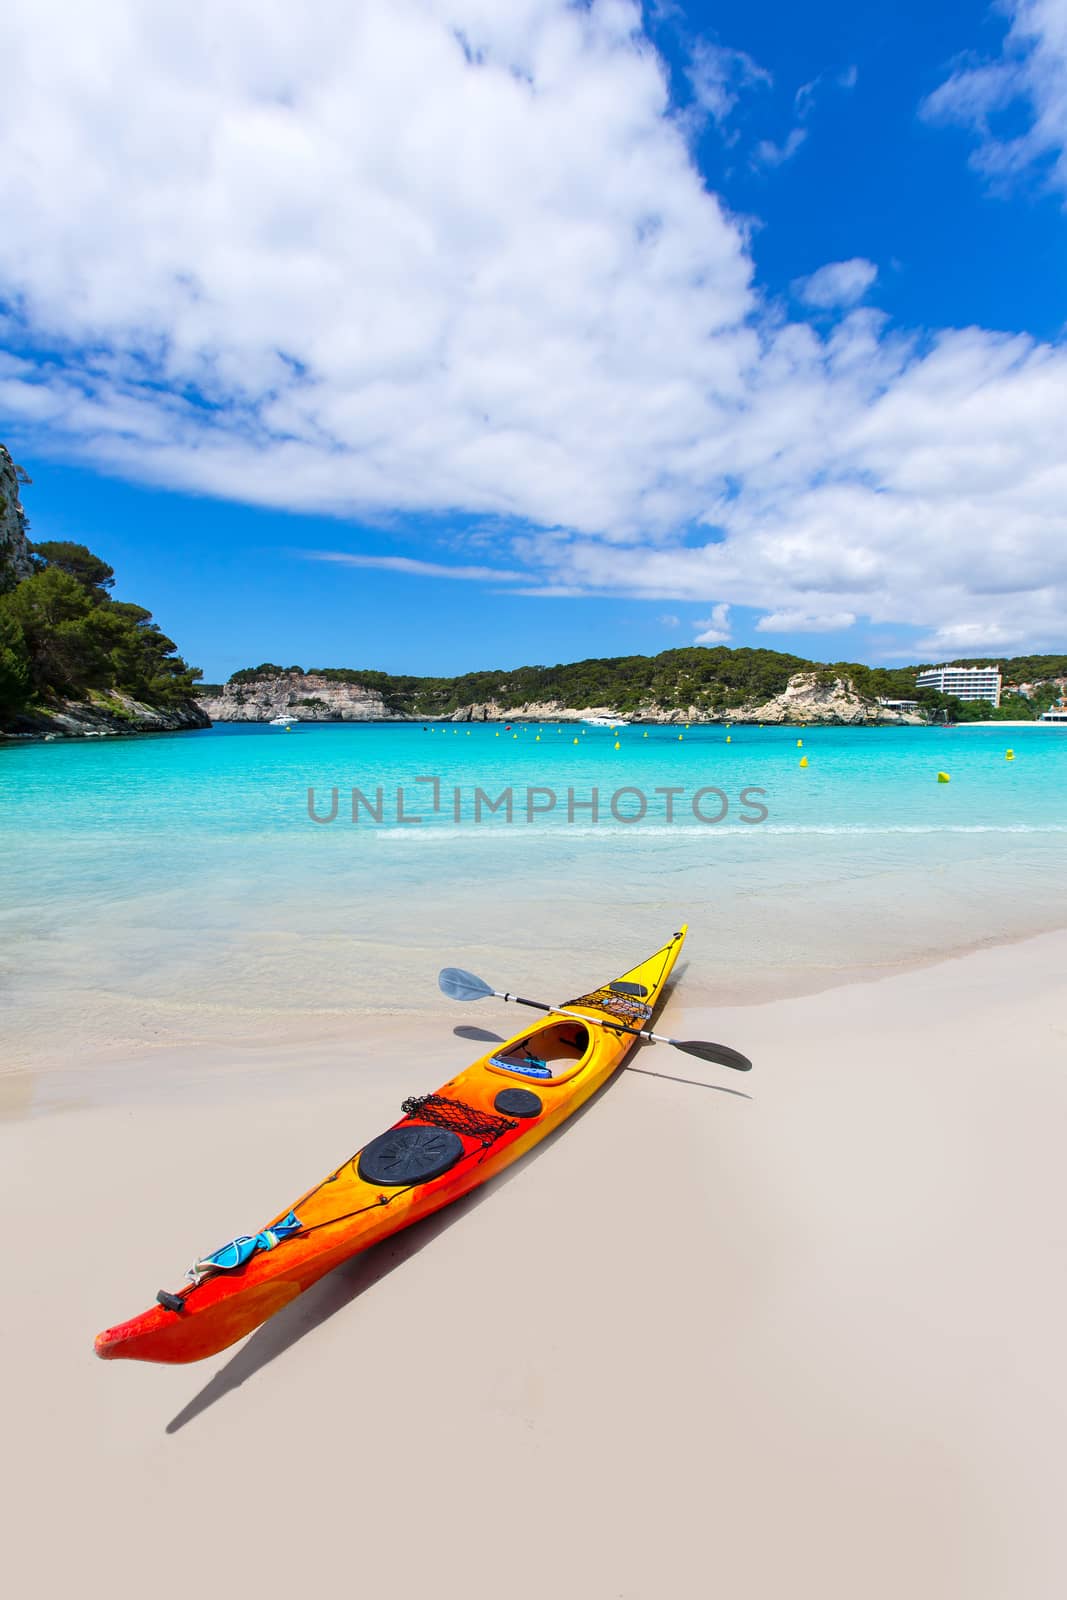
x=460 y=985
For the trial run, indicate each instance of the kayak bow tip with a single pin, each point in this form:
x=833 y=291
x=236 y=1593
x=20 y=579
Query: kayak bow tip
x=105 y=1345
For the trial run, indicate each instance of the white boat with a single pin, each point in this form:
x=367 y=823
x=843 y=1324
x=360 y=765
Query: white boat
x=606 y=722
x=283 y=722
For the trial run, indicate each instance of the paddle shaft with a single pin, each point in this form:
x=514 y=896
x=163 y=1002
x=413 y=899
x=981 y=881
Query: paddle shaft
x=579 y=1016
x=461 y=985
x=722 y=1054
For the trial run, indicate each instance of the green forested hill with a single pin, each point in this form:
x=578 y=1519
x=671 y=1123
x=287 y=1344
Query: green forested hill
x=63 y=638
x=712 y=680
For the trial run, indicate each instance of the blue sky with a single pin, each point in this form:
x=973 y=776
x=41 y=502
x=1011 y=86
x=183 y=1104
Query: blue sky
x=439 y=336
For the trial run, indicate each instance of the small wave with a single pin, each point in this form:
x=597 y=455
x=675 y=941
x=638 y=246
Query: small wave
x=442 y=833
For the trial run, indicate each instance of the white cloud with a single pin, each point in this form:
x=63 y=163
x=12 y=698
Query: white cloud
x=1030 y=72
x=769 y=154
x=452 y=256
x=839 y=283
x=401 y=279
x=415 y=568
x=716 y=628
x=671 y=621
x=801 y=622
x=808 y=93
x=718 y=76
x=967 y=639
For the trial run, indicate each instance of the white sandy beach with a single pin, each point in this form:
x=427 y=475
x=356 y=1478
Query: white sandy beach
x=807 y=1343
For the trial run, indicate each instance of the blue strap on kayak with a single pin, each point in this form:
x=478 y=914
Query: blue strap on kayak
x=533 y=1068
x=234 y=1254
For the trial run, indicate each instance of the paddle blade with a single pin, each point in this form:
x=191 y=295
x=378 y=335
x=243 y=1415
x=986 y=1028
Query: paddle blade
x=719 y=1053
x=460 y=985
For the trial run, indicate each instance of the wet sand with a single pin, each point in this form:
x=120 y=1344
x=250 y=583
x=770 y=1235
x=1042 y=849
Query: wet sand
x=806 y=1343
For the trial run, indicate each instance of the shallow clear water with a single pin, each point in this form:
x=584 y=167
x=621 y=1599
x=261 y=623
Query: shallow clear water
x=174 y=887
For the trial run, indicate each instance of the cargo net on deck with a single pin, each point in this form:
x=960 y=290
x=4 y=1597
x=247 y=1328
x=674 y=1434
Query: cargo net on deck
x=625 y=1008
x=485 y=1126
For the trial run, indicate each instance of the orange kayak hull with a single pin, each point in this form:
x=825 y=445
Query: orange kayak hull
x=347 y=1214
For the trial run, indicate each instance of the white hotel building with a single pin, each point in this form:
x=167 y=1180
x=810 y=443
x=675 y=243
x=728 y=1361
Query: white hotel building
x=966 y=683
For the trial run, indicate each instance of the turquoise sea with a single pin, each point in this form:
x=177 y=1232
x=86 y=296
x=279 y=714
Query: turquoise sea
x=173 y=888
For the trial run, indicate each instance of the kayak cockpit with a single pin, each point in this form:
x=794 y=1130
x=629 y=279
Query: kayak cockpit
x=547 y=1054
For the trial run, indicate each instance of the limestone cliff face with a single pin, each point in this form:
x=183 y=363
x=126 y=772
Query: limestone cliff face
x=14 y=547
x=806 y=699
x=310 y=698
x=106 y=713
x=532 y=711
x=303 y=696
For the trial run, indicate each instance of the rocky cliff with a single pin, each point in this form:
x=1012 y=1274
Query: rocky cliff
x=303 y=696
x=15 y=562
x=309 y=698
x=109 y=713
x=805 y=699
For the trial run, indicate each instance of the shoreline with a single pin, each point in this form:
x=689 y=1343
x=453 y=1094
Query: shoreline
x=173 y=894
x=10 y=736
x=107 y=1071
x=828 y=1302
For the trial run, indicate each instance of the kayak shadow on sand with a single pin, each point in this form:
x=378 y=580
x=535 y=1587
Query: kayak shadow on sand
x=347 y=1282
x=319 y=1303
x=353 y=1278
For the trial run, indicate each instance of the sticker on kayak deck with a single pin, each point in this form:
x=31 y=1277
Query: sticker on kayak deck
x=518 y=1103
x=526 y=1069
x=409 y=1155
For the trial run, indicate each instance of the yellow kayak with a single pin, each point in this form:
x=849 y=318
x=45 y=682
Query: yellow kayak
x=446 y=1144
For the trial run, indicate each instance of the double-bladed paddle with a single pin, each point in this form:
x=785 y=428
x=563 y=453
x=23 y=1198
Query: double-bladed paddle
x=460 y=985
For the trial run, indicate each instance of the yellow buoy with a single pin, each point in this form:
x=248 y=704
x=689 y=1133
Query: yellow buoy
x=1009 y=755
x=617 y=745
x=537 y=738
x=728 y=739
x=800 y=744
x=803 y=761
x=943 y=777
x=729 y=724
x=645 y=734
x=681 y=736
